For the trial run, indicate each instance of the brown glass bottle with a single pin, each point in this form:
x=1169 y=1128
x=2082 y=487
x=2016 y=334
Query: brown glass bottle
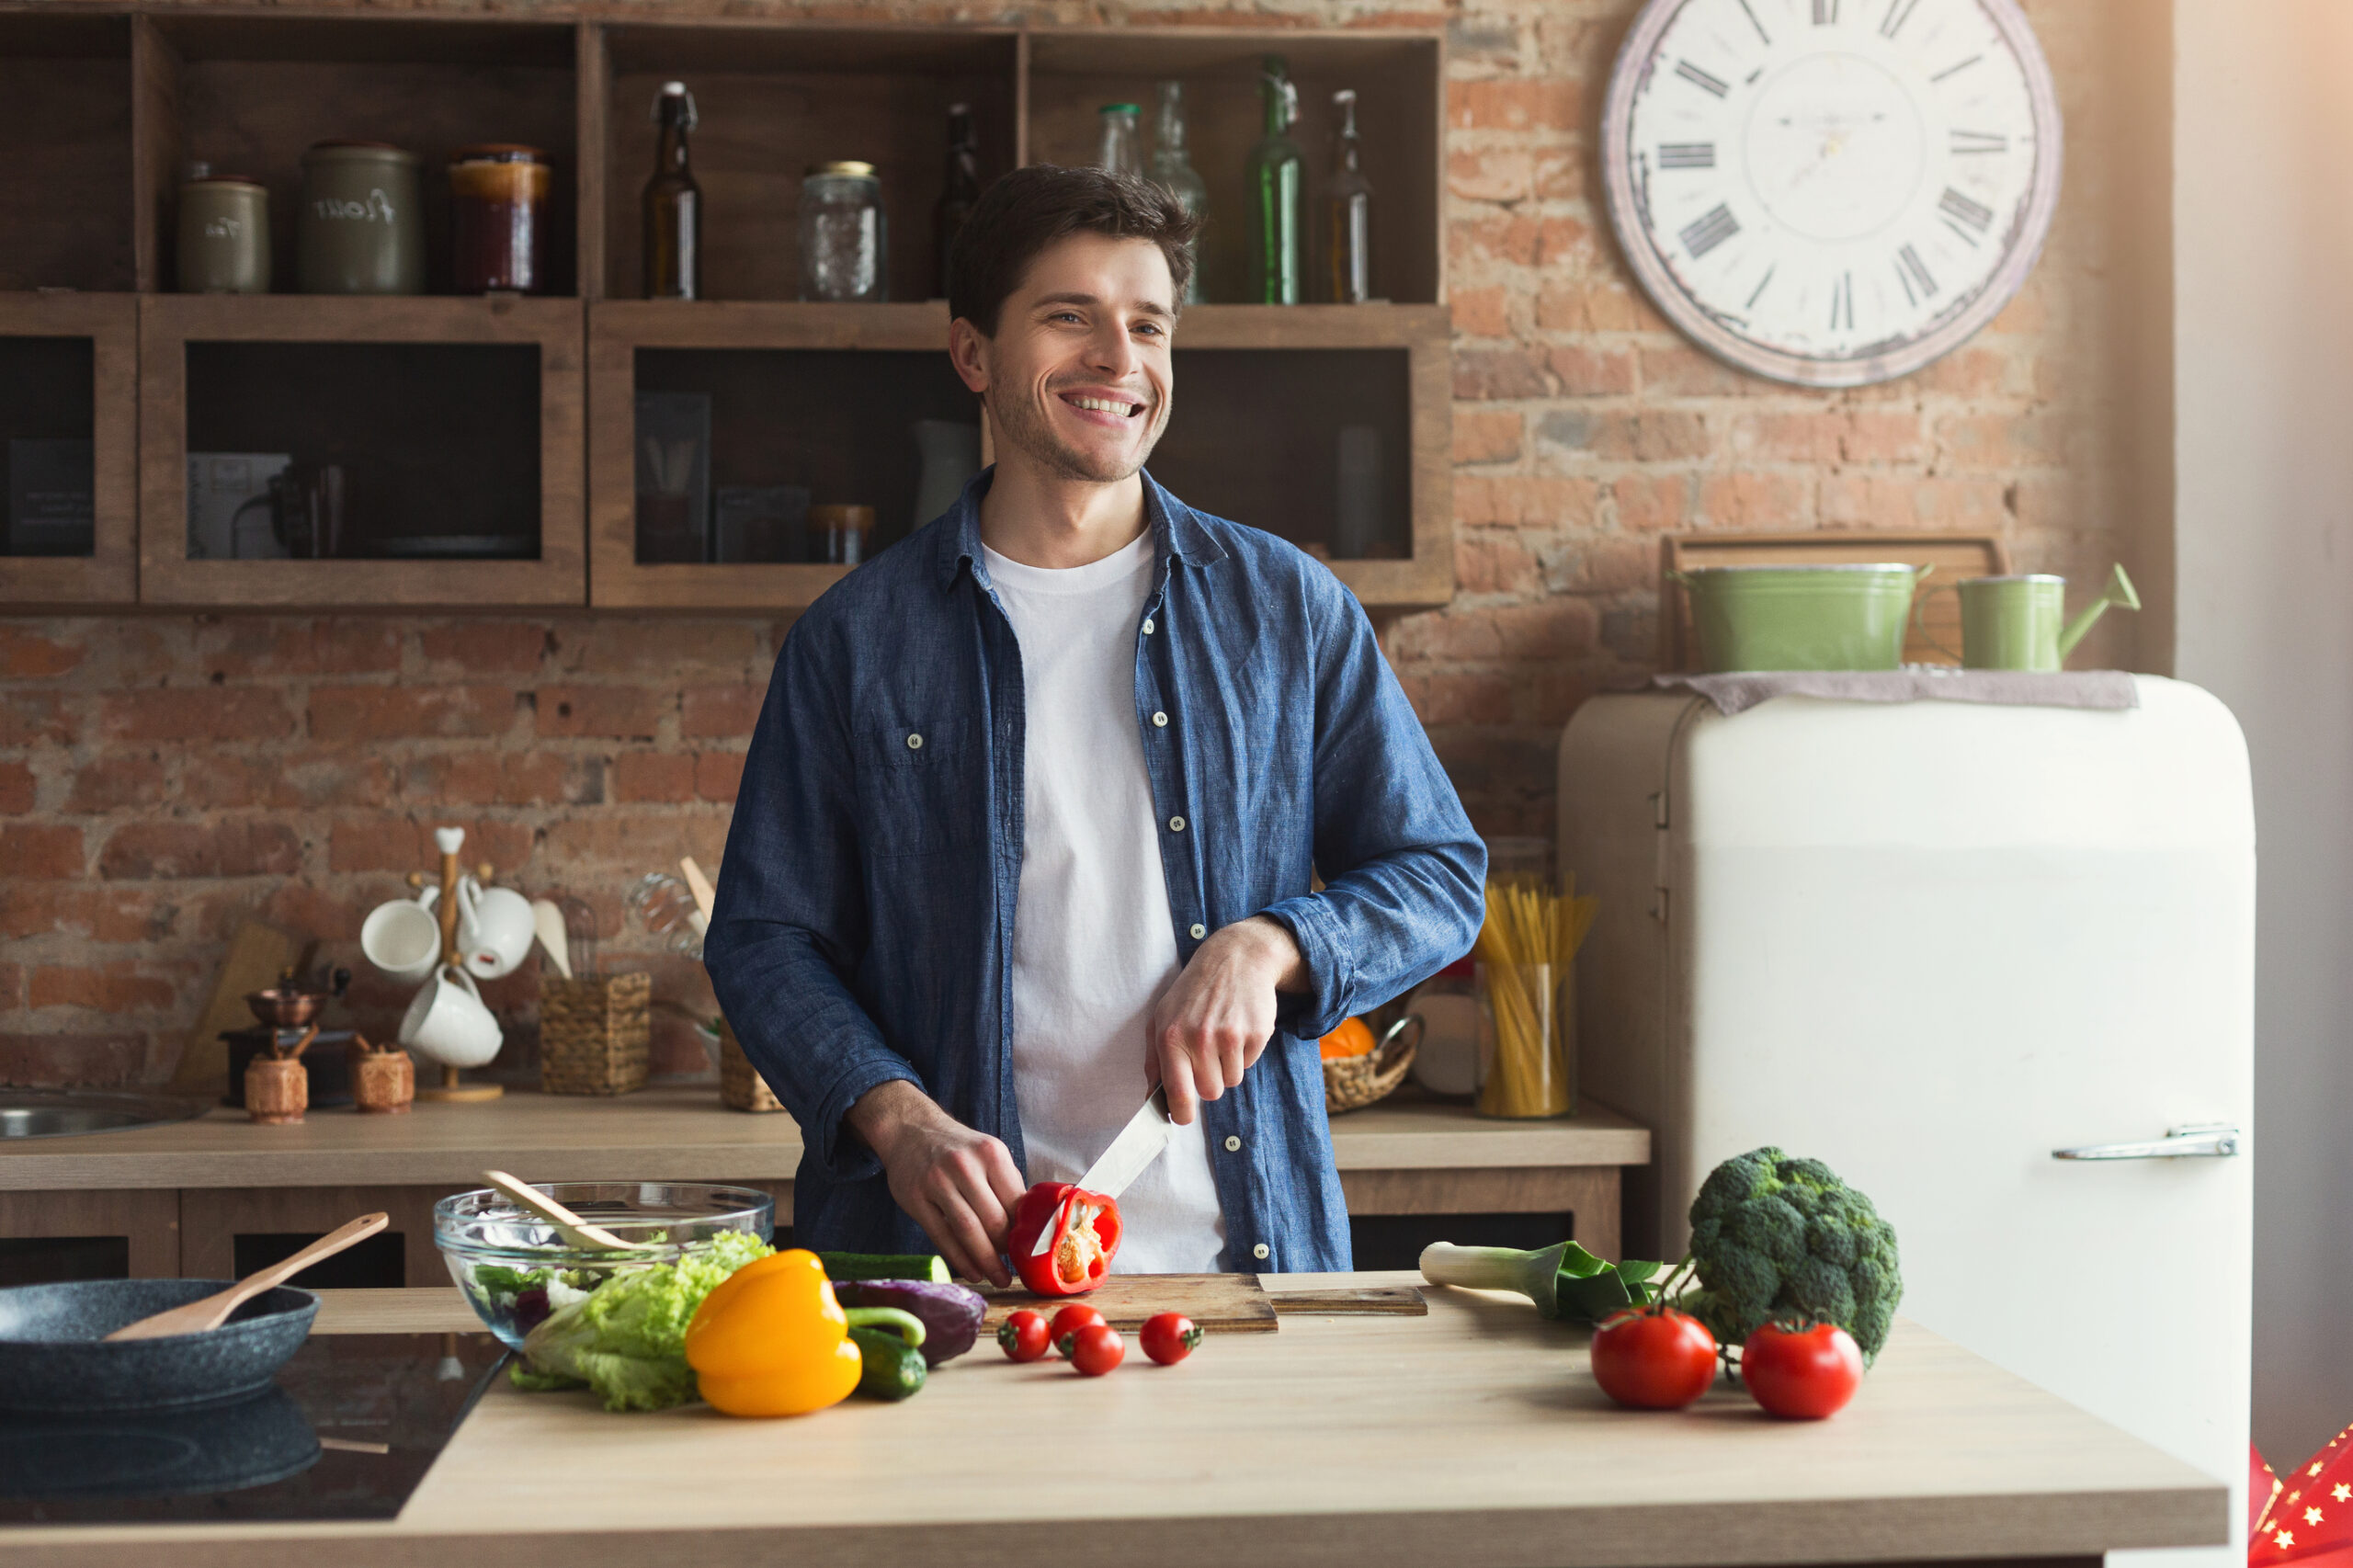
x=959 y=190
x=673 y=204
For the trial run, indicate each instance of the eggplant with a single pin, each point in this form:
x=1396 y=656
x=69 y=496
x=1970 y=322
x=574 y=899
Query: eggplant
x=951 y=1313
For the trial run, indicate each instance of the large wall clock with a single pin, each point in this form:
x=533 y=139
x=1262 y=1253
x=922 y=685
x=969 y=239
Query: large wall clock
x=1831 y=192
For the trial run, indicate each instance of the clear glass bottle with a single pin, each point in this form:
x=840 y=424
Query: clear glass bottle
x=959 y=187
x=1173 y=171
x=1348 y=209
x=1277 y=179
x=1120 y=146
x=844 y=246
x=673 y=203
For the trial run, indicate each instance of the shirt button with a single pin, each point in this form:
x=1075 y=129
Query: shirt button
x=1176 y=825
x=1233 y=1144
x=914 y=743
x=1260 y=1252
x=1199 y=931
x=1161 y=720
x=1147 y=626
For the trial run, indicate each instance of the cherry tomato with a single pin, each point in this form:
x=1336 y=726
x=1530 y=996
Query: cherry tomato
x=1804 y=1373
x=1659 y=1360
x=1024 y=1335
x=1169 y=1337
x=1094 y=1349
x=1069 y=1320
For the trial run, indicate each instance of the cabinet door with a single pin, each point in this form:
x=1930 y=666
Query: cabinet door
x=50 y=1236
x=69 y=377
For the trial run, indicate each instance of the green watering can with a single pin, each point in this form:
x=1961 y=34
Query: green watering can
x=2014 y=623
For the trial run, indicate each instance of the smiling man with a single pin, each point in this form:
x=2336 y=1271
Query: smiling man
x=1035 y=811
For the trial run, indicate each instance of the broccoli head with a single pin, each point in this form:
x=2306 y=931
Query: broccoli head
x=1773 y=1237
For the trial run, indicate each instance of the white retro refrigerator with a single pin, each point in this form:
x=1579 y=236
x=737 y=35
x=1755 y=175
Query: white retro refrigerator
x=1930 y=943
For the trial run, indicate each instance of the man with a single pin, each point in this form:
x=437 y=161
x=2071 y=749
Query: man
x=1033 y=812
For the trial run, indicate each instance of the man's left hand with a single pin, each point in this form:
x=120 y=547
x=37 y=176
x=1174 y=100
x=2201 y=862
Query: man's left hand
x=1208 y=1028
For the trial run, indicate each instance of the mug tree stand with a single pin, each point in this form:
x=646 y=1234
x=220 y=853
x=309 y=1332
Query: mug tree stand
x=450 y=840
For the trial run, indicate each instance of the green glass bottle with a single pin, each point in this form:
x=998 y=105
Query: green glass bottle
x=1276 y=187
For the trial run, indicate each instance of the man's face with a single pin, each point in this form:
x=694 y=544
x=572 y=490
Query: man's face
x=1077 y=377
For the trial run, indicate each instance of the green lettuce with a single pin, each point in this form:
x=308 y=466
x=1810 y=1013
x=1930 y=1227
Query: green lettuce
x=627 y=1339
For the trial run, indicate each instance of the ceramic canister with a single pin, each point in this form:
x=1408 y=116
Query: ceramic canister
x=223 y=236
x=362 y=227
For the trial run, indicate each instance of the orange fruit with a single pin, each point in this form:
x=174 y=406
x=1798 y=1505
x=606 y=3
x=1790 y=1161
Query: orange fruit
x=1352 y=1038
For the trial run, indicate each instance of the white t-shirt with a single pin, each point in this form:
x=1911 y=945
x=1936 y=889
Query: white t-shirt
x=1093 y=941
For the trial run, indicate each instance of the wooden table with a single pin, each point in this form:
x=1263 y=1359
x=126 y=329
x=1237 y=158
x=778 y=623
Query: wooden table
x=1470 y=1436
x=181 y=1193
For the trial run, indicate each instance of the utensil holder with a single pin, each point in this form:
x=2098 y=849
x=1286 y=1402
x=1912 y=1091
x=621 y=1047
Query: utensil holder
x=278 y=1090
x=1527 y=1070
x=594 y=1033
x=383 y=1083
x=741 y=1087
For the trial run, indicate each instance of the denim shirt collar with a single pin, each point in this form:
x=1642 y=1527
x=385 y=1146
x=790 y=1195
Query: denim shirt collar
x=1177 y=533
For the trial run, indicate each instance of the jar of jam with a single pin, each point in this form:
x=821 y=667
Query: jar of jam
x=499 y=204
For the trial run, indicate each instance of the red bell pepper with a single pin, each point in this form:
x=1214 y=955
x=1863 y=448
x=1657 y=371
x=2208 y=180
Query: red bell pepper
x=1086 y=1231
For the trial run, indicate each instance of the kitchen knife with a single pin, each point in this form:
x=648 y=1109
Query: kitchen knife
x=1138 y=1144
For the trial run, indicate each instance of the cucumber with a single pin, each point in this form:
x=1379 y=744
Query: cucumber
x=846 y=1266
x=889 y=1367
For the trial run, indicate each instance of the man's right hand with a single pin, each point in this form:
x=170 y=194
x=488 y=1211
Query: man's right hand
x=960 y=1185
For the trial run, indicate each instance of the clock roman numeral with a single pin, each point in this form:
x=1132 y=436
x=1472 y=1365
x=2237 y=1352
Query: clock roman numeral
x=1752 y=22
x=1710 y=230
x=1686 y=154
x=1700 y=79
x=1898 y=13
x=1825 y=13
x=1910 y=269
x=1965 y=142
x=1842 y=302
x=1960 y=209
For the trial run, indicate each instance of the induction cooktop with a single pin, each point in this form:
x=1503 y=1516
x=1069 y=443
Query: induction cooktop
x=348 y=1430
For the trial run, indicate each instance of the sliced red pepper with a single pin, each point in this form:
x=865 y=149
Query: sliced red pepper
x=1070 y=1264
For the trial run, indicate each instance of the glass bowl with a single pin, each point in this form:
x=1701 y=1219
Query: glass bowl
x=515 y=1269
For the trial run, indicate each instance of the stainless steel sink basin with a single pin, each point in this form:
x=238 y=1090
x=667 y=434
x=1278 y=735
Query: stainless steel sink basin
x=61 y=1113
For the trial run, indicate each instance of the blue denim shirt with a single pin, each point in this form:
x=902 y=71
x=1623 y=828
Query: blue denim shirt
x=864 y=929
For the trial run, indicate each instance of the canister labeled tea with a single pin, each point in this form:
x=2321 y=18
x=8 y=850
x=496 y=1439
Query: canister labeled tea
x=223 y=236
x=361 y=229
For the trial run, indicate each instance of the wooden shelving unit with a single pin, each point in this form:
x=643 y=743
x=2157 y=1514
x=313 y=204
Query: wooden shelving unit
x=107 y=107
x=69 y=368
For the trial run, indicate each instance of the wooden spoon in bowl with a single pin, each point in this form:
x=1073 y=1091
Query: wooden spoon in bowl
x=211 y=1311
x=580 y=1232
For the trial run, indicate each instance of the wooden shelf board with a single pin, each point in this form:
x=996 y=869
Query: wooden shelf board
x=1180 y=52
x=732 y=45
x=446 y=39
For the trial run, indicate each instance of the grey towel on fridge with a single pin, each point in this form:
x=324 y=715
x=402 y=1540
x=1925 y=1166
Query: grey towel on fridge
x=2030 y=688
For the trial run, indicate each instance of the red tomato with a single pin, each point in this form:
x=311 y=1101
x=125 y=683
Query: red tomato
x=1095 y=1348
x=1169 y=1337
x=1024 y=1335
x=1069 y=1320
x=1654 y=1361
x=1805 y=1374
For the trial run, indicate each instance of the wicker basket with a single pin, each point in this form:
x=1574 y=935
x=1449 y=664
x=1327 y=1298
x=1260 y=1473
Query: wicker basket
x=740 y=1086
x=593 y=1034
x=1352 y=1083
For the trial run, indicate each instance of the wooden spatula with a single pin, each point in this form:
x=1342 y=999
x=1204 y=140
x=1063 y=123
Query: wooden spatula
x=200 y=1316
x=580 y=1232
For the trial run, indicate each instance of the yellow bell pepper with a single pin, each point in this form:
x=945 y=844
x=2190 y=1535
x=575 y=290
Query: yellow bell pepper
x=771 y=1340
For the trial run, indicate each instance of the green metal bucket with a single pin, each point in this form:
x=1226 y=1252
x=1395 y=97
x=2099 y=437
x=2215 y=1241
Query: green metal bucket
x=1802 y=617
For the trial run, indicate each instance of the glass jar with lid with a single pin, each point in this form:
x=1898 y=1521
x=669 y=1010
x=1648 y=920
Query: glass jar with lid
x=498 y=203
x=844 y=246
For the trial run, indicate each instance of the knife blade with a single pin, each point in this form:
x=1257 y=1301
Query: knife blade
x=1138 y=1144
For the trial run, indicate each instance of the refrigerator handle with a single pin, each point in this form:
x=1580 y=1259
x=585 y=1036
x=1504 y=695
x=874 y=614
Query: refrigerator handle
x=2198 y=1140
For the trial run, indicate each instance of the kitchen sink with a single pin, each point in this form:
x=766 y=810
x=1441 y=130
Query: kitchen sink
x=61 y=1113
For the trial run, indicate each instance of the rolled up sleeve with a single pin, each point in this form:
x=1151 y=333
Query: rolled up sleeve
x=790 y=918
x=1404 y=876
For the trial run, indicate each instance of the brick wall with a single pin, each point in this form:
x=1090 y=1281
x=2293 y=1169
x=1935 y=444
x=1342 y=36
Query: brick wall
x=162 y=778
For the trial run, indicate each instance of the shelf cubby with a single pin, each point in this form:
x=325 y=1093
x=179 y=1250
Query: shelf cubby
x=69 y=371
x=449 y=420
x=66 y=203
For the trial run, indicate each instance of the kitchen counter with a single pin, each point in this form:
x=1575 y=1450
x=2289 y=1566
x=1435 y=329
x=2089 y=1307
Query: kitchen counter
x=181 y=1195
x=1469 y=1436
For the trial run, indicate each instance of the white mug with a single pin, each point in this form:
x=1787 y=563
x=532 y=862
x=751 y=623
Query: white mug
x=403 y=939
x=495 y=929
x=449 y=1023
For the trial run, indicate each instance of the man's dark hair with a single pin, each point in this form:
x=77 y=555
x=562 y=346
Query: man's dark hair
x=1025 y=212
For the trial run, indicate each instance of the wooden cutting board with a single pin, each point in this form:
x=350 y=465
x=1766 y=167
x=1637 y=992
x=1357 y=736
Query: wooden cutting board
x=1218 y=1304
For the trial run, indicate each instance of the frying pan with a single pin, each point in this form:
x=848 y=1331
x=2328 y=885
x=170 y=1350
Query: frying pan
x=54 y=1356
